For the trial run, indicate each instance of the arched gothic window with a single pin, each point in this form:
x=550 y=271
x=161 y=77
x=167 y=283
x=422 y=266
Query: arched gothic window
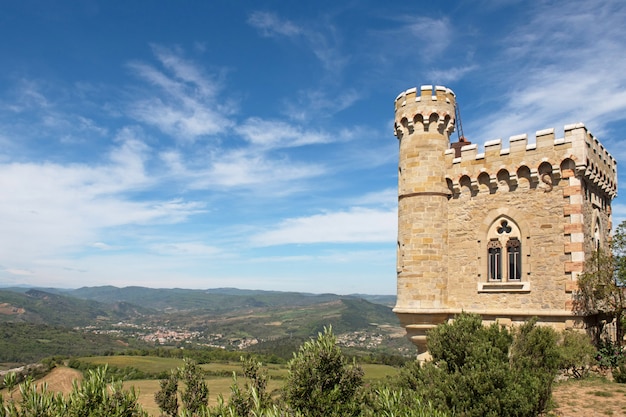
x=494 y=256
x=504 y=233
x=514 y=255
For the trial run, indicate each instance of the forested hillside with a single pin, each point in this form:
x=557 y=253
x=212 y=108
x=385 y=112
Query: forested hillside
x=43 y=323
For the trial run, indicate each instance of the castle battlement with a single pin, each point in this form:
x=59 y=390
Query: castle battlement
x=501 y=229
x=432 y=105
x=577 y=149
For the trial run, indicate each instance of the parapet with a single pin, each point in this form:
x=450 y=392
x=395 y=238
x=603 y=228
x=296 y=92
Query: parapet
x=587 y=155
x=429 y=104
x=427 y=93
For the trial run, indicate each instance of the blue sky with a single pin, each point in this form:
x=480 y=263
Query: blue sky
x=249 y=144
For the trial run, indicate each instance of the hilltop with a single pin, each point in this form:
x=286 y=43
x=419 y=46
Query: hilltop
x=96 y=320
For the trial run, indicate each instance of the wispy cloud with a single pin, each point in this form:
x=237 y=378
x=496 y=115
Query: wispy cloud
x=566 y=66
x=188 y=107
x=50 y=209
x=357 y=225
x=269 y=24
x=241 y=169
x=322 y=102
x=450 y=75
x=270 y=134
x=322 y=39
x=187 y=249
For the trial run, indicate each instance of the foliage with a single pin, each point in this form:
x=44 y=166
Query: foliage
x=96 y=396
x=398 y=403
x=619 y=372
x=195 y=396
x=254 y=394
x=535 y=359
x=27 y=342
x=481 y=370
x=577 y=353
x=196 y=393
x=320 y=381
x=167 y=397
x=609 y=354
x=601 y=285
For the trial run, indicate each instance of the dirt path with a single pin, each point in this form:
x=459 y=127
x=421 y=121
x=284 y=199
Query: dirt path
x=592 y=397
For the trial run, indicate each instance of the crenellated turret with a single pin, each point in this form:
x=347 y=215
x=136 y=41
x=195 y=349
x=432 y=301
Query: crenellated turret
x=423 y=124
x=503 y=232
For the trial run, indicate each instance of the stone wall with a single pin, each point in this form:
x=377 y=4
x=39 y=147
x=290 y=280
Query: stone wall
x=553 y=196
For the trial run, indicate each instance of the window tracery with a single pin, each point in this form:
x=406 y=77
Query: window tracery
x=504 y=234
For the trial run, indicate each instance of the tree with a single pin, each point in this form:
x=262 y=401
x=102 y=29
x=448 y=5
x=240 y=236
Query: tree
x=167 y=397
x=195 y=397
x=601 y=285
x=253 y=396
x=320 y=381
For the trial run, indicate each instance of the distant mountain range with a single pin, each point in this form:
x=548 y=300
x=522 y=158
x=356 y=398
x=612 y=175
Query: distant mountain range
x=218 y=300
x=221 y=317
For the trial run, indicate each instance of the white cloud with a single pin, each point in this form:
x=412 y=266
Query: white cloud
x=192 y=249
x=310 y=104
x=49 y=209
x=450 y=75
x=246 y=168
x=566 y=66
x=357 y=225
x=189 y=108
x=323 y=40
x=432 y=35
x=271 y=25
x=387 y=197
x=269 y=134
x=243 y=168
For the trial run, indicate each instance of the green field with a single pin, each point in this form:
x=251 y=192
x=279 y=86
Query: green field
x=151 y=364
x=219 y=384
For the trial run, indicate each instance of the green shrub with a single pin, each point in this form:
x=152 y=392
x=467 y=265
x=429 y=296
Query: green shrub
x=577 y=353
x=320 y=381
x=481 y=370
x=619 y=372
x=96 y=396
x=609 y=354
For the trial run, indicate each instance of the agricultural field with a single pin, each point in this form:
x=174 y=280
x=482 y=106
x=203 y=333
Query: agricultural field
x=148 y=364
x=219 y=380
x=589 y=397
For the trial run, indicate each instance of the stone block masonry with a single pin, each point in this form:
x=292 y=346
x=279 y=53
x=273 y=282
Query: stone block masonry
x=503 y=232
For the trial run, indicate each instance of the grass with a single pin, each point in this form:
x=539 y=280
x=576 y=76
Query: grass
x=154 y=364
x=374 y=372
x=151 y=364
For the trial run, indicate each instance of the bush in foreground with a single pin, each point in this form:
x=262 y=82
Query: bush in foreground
x=486 y=371
x=96 y=396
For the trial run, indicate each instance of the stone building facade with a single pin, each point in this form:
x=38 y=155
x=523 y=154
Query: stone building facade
x=502 y=232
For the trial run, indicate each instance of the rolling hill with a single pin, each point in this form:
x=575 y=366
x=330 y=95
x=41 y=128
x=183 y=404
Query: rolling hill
x=226 y=317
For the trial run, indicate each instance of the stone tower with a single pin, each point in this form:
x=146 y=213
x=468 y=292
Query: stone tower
x=503 y=233
x=424 y=122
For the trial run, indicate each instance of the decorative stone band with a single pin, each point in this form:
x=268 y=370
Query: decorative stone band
x=423 y=193
x=488 y=312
